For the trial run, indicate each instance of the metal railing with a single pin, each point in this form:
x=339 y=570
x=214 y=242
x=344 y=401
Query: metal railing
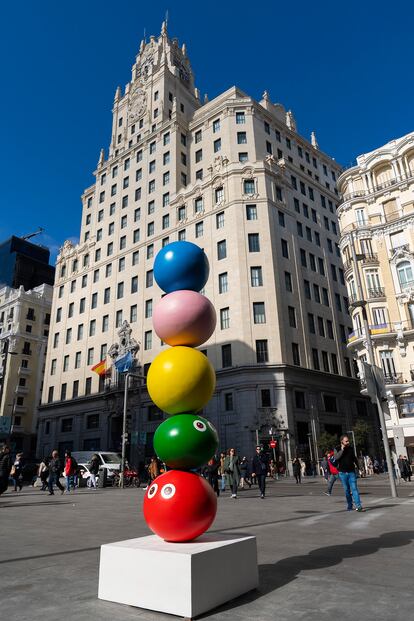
x=394 y=378
x=377 y=292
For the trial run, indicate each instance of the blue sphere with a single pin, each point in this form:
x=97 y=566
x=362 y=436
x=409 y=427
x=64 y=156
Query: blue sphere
x=181 y=265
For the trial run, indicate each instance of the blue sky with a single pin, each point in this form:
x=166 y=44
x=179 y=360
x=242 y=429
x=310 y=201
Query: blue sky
x=344 y=69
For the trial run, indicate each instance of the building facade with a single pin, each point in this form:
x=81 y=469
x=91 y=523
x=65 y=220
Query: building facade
x=24 y=331
x=234 y=176
x=377 y=240
x=23 y=264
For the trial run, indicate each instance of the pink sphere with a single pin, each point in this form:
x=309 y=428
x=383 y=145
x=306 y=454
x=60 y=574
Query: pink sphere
x=184 y=318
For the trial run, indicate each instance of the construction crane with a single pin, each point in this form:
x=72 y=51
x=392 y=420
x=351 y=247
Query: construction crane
x=29 y=235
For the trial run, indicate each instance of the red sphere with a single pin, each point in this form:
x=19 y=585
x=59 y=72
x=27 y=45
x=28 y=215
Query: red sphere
x=179 y=506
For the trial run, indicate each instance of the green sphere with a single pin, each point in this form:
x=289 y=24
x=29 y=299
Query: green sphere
x=185 y=441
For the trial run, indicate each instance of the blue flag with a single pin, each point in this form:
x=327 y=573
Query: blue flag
x=124 y=362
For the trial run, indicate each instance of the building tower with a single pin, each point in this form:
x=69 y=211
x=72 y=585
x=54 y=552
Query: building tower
x=233 y=175
x=376 y=218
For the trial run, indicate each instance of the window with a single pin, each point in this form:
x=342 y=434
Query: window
x=166 y=139
x=226 y=357
x=120 y=290
x=199 y=155
x=199 y=174
x=56 y=340
x=108 y=269
x=66 y=425
x=251 y=212
x=299 y=229
x=249 y=186
x=166 y=178
x=134 y=284
x=198 y=205
x=295 y=354
x=181 y=235
x=223 y=283
x=88 y=386
x=149 y=278
x=221 y=250
x=75 y=389
x=150 y=229
x=254 y=242
x=94 y=300
x=228 y=401
x=240 y=118
x=151 y=186
x=387 y=363
x=135 y=257
x=329 y=326
x=315 y=360
x=148 y=339
x=285 y=248
x=256 y=277
x=325 y=296
x=216 y=126
x=259 y=315
x=181 y=214
x=118 y=319
x=105 y=323
x=312 y=262
x=148 y=309
x=107 y=295
x=292 y=316
x=125 y=183
x=82 y=303
x=243 y=156
x=220 y=220
x=321 y=266
x=198 y=136
x=77 y=359
x=96 y=276
x=288 y=282
x=311 y=323
x=321 y=327
x=152 y=147
x=262 y=353
x=404 y=272
x=92 y=327
x=199 y=229
x=281 y=217
x=80 y=332
x=110 y=249
x=133 y=314
x=241 y=138
x=90 y=356
x=224 y=318
x=334 y=363
x=217 y=145
x=165 y=221
x=219 y=195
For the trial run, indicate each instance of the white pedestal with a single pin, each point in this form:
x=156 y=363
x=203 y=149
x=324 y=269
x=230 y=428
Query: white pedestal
x=184 y=579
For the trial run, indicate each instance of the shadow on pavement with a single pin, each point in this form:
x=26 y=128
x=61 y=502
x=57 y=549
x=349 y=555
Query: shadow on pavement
x=272 y=577
x=55 y=503
x=51 y=554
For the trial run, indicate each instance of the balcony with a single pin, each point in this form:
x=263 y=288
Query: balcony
x=21 y=390
x=407 y=285
x=377 y=292
x=395 y=378
x=356 y=300
x=25 y=371
x=368 y=258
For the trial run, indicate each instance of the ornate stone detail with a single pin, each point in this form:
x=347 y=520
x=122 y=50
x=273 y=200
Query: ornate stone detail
x=400 y=254
x=406 y=296
x=137 y=102
x=126 y=342
x=400 y=339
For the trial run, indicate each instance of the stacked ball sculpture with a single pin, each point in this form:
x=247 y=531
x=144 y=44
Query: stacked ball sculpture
x=180 y=505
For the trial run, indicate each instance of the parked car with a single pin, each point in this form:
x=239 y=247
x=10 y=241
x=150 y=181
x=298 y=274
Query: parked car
x=109 y=461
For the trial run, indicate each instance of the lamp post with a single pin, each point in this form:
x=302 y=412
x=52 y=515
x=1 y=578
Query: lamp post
x=371 y=359
x=124 y=419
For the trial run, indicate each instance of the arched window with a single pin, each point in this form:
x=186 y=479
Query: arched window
x=405 y=273
x=351 y=286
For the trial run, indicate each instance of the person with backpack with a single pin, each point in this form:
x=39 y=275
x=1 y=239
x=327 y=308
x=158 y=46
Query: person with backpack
x=346 y=462
x=94 y=470
x=70 y=471
x=332 y=470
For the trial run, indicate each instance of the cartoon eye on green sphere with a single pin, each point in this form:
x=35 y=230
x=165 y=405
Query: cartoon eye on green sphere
x=185 y=441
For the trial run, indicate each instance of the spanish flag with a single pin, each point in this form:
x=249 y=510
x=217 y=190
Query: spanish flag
x=100 y=368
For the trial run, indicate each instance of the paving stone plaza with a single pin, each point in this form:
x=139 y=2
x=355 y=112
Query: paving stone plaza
x=316 y=560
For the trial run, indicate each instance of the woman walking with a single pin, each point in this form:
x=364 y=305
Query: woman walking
x=17 y=472
x=244 y=473
x=232 y=470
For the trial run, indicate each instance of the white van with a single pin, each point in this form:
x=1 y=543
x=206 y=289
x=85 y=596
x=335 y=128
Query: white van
x=111 y=462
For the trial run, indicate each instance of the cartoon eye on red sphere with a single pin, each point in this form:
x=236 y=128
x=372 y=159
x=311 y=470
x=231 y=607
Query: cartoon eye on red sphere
x=179 y=506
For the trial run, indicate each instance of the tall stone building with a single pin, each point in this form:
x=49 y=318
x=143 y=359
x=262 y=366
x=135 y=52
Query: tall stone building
x=377 y=241
x=234 y=176
x=24 y=330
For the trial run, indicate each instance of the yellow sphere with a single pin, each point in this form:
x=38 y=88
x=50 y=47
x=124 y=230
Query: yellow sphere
x=181 y=379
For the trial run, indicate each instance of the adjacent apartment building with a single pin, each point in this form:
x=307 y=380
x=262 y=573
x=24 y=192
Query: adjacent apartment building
x=376 y=218
x=24 y=330
x=234 y=176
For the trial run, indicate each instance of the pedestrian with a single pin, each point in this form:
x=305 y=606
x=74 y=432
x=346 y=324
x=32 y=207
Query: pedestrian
x=324 y=466
x=333 y=472
x=302 y=467
x=5 y=467
x=16 y=472
x=407 y=469
x=70 y=471
x=244 y=473
x=260 y=469
x=43 y=473
x=297 y=470
x=273 y=469
x=153 y=470
x=232 y=471
x=55 y=470
x=401 y=468
x=221 y=472
x=211 y=474
x=94 y=470
x=346 y=462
